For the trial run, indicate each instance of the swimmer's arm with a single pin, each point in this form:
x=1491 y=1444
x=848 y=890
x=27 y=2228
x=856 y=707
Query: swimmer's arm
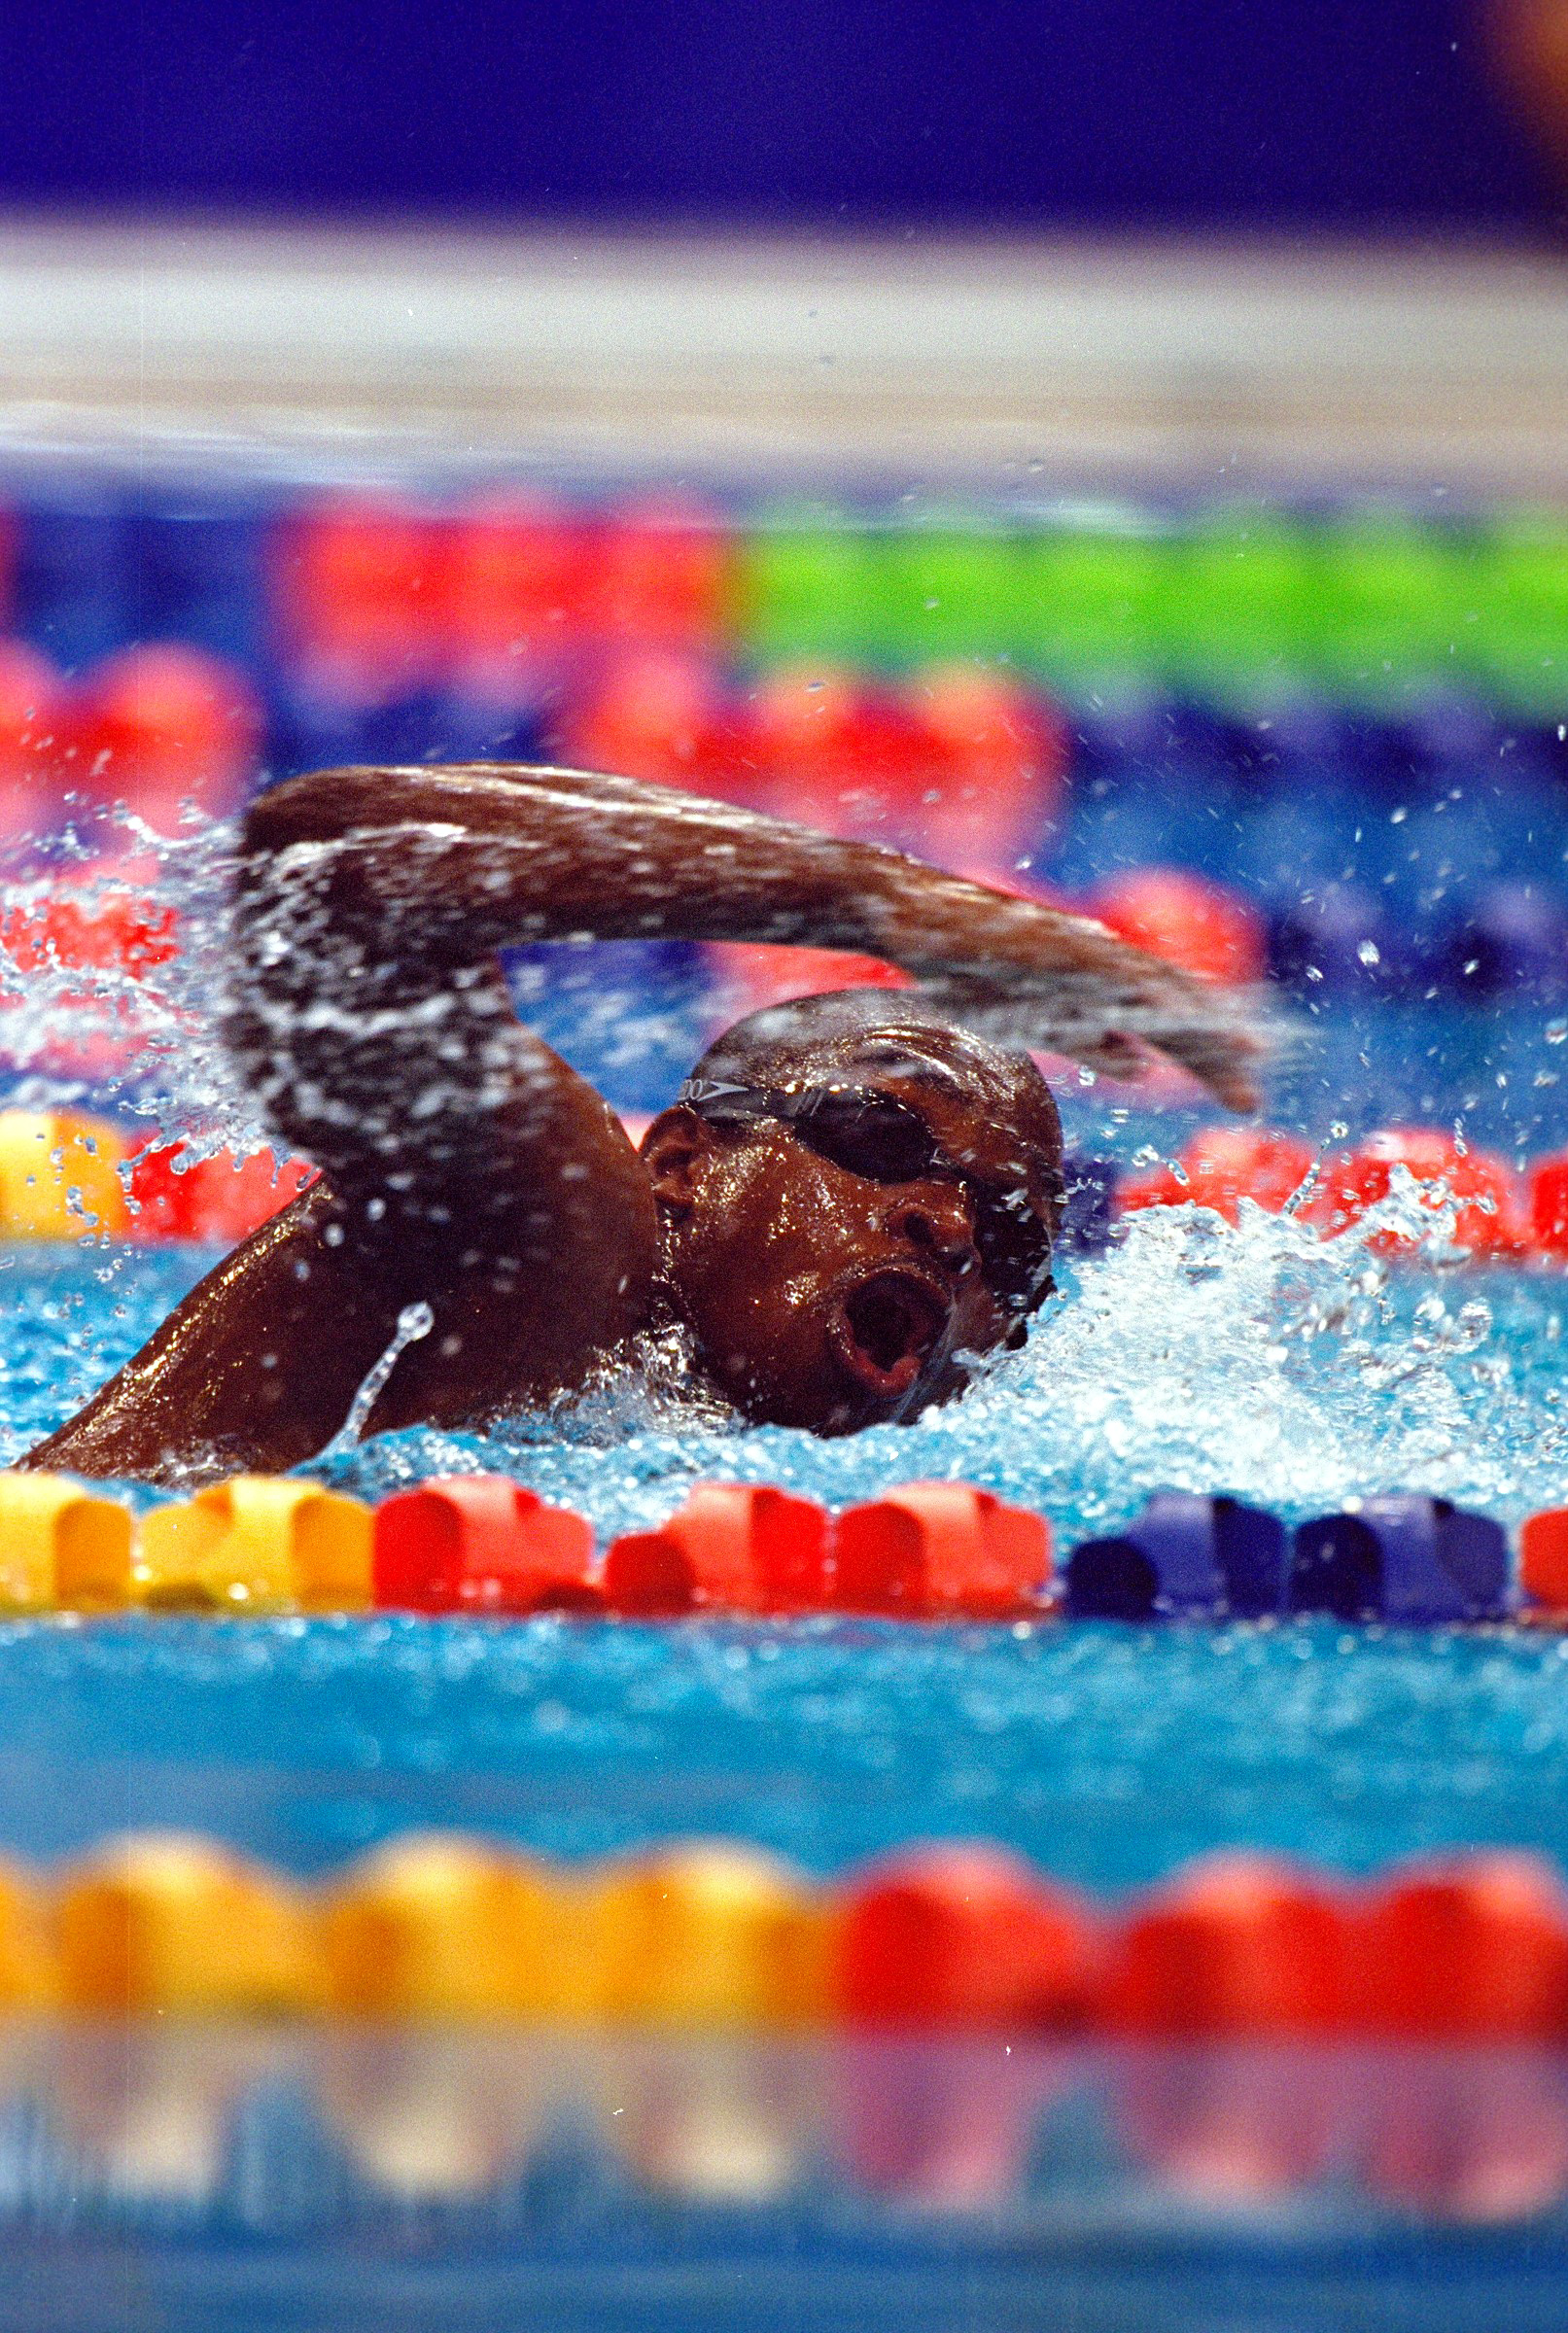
x=490 y=855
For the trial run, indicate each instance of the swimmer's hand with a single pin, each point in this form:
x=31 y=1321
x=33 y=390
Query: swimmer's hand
x=1058 y=983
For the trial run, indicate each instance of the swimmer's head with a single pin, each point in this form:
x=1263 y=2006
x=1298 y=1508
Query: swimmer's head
x=855 y=1199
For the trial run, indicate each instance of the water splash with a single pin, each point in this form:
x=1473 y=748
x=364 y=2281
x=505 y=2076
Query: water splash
x=1260 y=1359
x=414 y=1322
x=114 y=964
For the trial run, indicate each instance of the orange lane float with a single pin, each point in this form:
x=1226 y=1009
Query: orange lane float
x=61 y=1547
x=357 y=588
x=661 y=575
x=433 y=1925
x=928 y=1551
x=708 y=1933
x=159 y=1924
x=60 y=1177
x=1227 y=1163
x=32 y=734
x=29 y=1963
x=256 y=1543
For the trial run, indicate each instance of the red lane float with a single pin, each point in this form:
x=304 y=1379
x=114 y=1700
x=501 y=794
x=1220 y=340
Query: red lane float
x=1236 y=1943
x=1548 y=1205
x=1491 y=1217
x=661 y=718
x=938 y=1550
x=1472 y=1948
x=516 y=589
x=161 y=725
x=1226 y=1164
x=107 y=928
x=836 y=754
x=1495 y=1219
x=220 y=1199
x=751 y=975
x=960 y=1935
x=661 y=573
x=930 y=1551
x=733 y=1547
x=359 y=585
x=480 y=1544
x=1155 y=1187
x=964 y=763
x=1220 y=1168
x=33 y=713
x=1544 y=1563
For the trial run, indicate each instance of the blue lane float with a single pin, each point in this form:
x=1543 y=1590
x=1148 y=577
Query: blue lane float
x=1423 y=1562
x=1184 y=1557
x=1419 y=1562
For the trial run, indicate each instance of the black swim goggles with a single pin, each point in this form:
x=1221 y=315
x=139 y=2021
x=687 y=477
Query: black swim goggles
x=882 y=1139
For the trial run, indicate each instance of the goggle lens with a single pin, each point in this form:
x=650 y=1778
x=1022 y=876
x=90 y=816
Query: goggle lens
x=870 y=1134
x=877 y=1137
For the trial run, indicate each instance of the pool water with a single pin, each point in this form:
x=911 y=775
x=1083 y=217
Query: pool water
x=1260 y=1360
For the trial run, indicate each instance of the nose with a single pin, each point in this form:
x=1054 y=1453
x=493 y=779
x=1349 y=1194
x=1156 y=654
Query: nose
x=939 y=1220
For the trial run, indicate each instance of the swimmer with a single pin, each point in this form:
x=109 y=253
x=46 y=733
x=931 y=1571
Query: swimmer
x=853 y=1199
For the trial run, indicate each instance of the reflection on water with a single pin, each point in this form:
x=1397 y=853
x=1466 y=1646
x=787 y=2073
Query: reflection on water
x=109 y=2122
x=490 y=2175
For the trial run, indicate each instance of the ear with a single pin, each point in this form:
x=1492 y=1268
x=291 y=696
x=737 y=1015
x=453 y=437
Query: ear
x=674 y=1150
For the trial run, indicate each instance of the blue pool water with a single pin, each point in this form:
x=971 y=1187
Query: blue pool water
x=1260 y=1361
x=1107 y=1753
x=1294 y=1371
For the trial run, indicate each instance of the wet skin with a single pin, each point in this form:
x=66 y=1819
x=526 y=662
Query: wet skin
x=825 y=1299
x=466 y=1167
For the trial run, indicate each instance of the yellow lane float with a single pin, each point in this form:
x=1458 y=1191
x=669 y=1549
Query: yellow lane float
x=256 y=1543
x=59 y=1177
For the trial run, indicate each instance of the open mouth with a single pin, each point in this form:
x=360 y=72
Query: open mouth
x=887 y=1329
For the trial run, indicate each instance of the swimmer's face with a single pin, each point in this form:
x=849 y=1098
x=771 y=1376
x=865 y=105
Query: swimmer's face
x=829 y=1287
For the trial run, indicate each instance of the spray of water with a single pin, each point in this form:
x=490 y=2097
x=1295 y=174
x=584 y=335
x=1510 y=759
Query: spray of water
x=113 y=957
x=1260 y=1358
x=414 y=1321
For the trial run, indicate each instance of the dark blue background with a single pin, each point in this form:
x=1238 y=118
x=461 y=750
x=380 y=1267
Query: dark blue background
x=1282 y=113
